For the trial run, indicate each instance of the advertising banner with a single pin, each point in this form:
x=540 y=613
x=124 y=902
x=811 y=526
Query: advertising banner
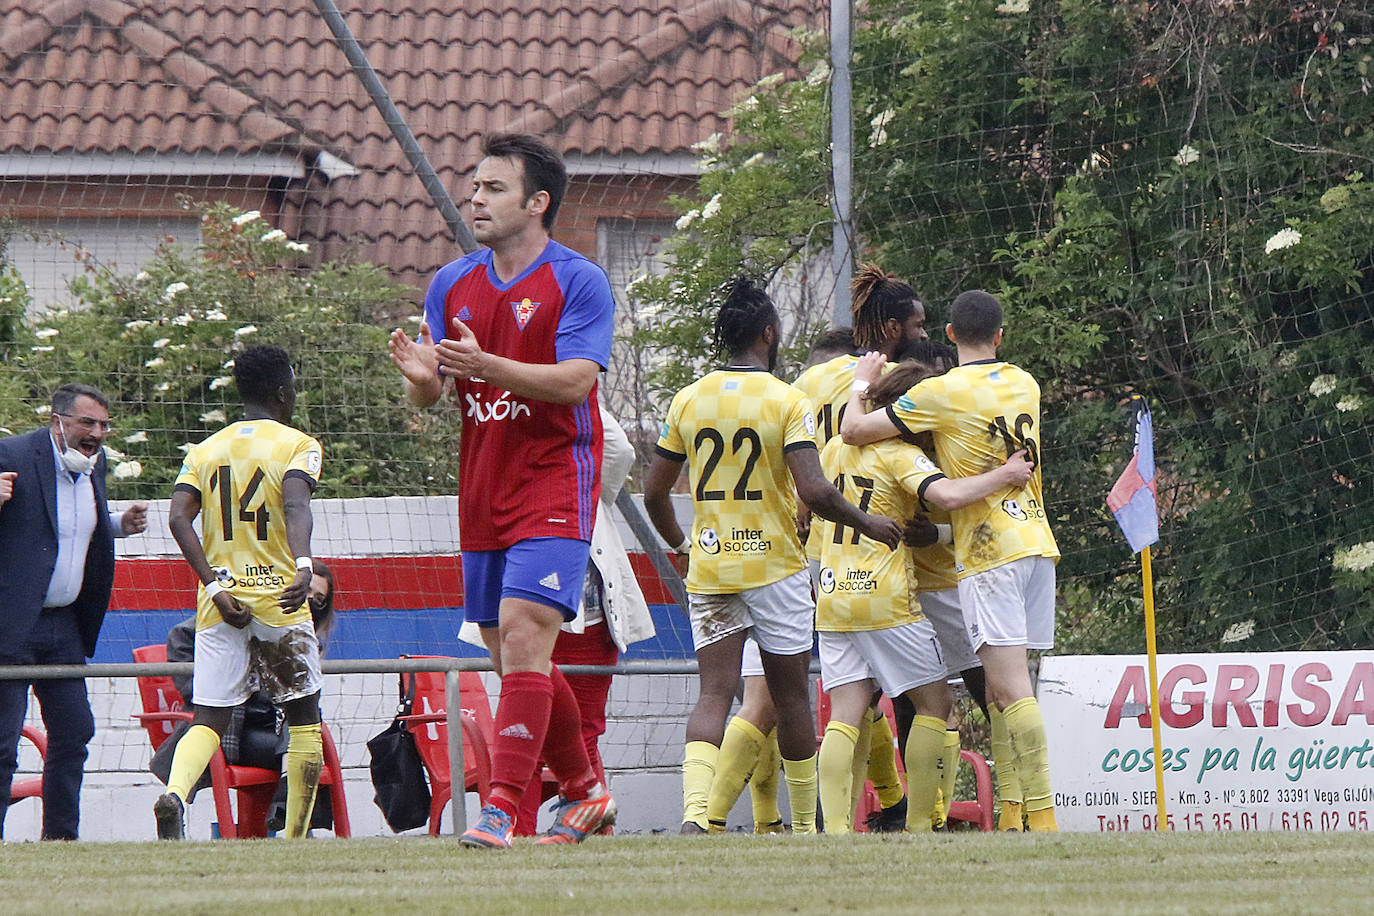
x=1252 y=741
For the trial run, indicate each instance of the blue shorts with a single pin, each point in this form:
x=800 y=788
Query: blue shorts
x=548 y=571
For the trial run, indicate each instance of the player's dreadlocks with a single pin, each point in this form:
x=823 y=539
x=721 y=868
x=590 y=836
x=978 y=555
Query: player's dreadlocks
x=877 y=298
x=743 y=315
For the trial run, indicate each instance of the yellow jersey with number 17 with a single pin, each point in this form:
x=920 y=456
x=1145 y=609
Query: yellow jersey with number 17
x=980 y=413
x=733 y=428
x=865 y=585
x=238 y=474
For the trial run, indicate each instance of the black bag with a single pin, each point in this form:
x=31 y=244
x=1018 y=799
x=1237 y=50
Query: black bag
x=398 y=775
x=261 y=736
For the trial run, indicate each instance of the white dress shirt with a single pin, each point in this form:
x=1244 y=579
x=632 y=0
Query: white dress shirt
x=75 y=525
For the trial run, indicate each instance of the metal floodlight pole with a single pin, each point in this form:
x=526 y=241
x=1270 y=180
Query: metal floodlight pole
x=362 y=68
x=841 y=157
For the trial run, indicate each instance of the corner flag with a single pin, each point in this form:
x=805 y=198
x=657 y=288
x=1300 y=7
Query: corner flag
x=1134 y=498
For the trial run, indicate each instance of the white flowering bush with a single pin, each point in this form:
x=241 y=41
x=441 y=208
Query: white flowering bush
x=161 y=343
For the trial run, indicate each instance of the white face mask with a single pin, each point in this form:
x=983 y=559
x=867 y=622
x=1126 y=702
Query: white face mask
x=72 y=460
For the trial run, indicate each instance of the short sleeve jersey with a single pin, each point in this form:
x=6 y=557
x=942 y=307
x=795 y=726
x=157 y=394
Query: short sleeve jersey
x=980 y=413
x=734 y=428
x=238 y=474
x=935 y=562
x=826 y=386
x=863 y=584
x=526 y=468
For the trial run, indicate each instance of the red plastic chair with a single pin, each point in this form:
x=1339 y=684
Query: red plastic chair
x=256 y=786
x=31 y=786
x=976 y=811
x=428 y=723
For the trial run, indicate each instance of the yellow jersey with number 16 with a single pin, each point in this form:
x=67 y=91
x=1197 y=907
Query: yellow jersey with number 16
x=980 y=413
x=733 y=428
x=238 y=474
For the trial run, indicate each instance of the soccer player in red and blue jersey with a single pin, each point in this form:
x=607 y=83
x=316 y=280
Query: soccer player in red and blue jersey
x=518 y=332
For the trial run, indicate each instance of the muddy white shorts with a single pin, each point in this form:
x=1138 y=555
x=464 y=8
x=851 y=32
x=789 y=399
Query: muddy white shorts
x=285 y=661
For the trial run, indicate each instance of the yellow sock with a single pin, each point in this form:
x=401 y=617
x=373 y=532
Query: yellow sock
x=835 y=772
x=924 y=746
x=739 y=756
x=858 y=769
x=698 y=769
x=763 y=787
x=1004 y=766
x=801 y=792
x=304 y=761
x=1026 y=727
x=949 y=773
x=882 y=762
x=192 y=756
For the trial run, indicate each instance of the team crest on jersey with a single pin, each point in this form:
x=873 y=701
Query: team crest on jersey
x=1013 y=508
x=224 y=577
x=524 y=310
x=924 y=464
x=312 y=463
x=810 y=425
x=827 y=580
x=709 y=540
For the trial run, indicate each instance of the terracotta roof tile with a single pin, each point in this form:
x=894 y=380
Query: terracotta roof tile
x=609 y=77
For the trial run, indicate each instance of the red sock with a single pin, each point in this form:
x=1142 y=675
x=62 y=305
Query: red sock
x=564 y=750
x=522 y=722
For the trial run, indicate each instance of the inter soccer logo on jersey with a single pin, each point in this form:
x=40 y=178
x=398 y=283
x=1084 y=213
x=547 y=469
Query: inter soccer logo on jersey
x=827 y=580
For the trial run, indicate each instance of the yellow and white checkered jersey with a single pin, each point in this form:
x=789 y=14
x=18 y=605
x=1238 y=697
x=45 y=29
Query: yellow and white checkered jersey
x=980 y=414
x=826 y=385
x=238 y=473
x=863 y=584
x=935 y=562
x=733 y=428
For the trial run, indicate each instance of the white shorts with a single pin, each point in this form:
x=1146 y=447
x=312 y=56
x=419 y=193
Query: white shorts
x=751 y=665
x=285 y=661
x=943 y=611
x=1011 y=605
x=781 y=615
x=898 y=658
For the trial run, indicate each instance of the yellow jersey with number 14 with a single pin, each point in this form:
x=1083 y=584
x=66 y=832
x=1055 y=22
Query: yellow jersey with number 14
x=733 y=428
x=865 y=585
x=980 y=413
x=238 y=474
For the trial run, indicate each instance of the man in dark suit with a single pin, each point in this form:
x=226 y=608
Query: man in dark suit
x=56 y=570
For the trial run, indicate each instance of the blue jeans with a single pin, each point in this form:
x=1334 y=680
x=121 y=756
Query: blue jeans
x=67 y=718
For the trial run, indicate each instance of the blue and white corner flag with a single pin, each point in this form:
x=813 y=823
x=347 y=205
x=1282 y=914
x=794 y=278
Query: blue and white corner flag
x=1134 y=498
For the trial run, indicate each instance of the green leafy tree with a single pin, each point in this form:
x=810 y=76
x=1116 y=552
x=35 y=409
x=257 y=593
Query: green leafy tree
x=1171 y=200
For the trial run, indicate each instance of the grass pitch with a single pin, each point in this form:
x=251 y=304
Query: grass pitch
x=958 y=873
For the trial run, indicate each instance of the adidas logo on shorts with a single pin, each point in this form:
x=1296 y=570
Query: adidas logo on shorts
x=550 y=581
x=518 y=730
